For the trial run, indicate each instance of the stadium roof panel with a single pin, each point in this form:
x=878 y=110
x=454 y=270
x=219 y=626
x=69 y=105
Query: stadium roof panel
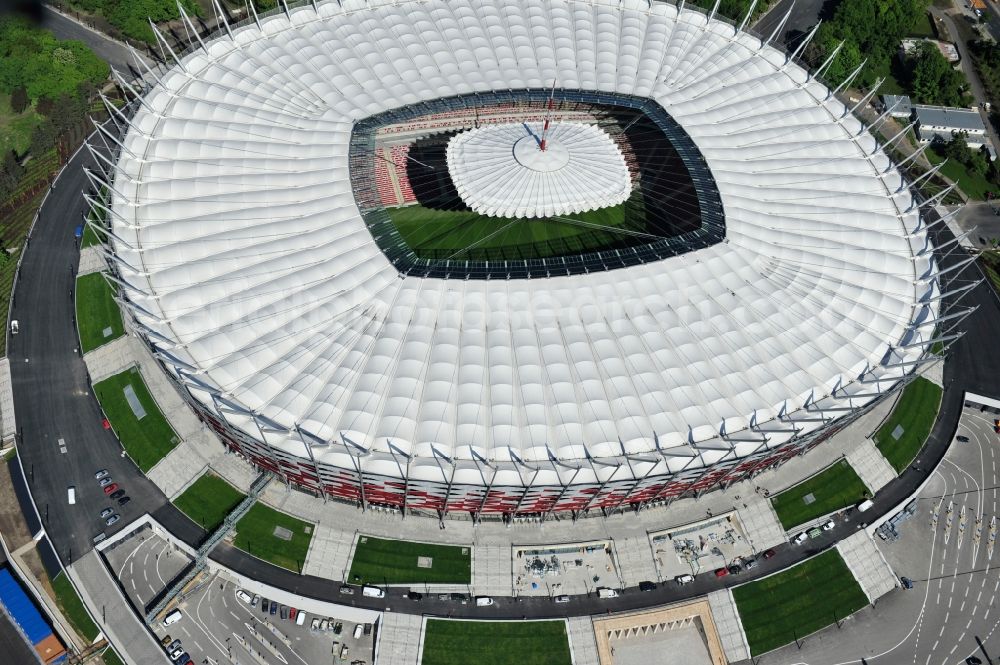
x=243 y=245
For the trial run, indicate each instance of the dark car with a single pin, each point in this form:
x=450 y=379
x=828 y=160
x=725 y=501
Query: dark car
x=125 y=499
x=264 y=604
x=274 y=608
x=460 y=598
x=768 y=554
x=646 y=586
x=117 y=494
x=735 y=569
x=284 y=612
x=906 y=582
x=973 y=660
x=414 y=595
x=963 y=439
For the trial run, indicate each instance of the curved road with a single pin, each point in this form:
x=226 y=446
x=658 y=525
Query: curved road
x=53 y=402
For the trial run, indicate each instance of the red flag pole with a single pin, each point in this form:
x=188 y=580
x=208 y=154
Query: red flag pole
x=548 y=116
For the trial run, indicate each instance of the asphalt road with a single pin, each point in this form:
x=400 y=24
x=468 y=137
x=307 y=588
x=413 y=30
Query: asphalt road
x=805 y=14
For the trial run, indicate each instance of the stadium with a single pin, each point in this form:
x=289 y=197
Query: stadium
x=513 y=259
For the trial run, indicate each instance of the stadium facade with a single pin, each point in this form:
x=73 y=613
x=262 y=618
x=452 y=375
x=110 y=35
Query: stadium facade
x=254 y=255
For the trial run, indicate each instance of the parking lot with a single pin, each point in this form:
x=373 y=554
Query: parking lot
x=218 y=626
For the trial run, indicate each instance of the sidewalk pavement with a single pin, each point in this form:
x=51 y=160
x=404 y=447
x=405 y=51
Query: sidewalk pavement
x=8 y=425
x=867 y=564
x=582 y=642
x=113 y=613
x=727 y=622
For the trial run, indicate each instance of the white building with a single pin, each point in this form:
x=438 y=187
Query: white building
x=942 y=122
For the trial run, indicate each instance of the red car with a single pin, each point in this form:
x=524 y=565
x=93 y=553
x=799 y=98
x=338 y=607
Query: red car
x=768 y=554
x=110 y=489
x=291 y=613
x=721 y=572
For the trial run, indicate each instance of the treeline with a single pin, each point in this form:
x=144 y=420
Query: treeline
x=57 y=78
x=129 y=18
x=870 y=29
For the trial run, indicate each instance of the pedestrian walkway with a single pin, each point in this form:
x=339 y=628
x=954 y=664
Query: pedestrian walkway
x=8 y=424
x=91 y=260
x=399 y=639
x=727 y=623
x=113 y=613
x=871 y=466
x=582 y=643
x=867 y=564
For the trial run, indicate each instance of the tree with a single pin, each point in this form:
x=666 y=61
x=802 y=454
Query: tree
x=933 y=80
x=19 y=99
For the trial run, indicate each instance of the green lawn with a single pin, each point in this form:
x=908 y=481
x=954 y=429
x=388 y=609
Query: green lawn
x=974 y=185
x=255 y=535
x=111 y=657
x=495 y=643
x=96 y=312
x=916 y=411
x=90 y=237
x=923 y=27
x=832 y=489
x=395 y=562
x=787 y=606
x=208 y=500
x=464 y=234
x=148 y=440
x=72 y=607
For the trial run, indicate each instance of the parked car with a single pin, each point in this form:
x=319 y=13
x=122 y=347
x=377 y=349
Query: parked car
x=768 y=554
x=166 y=642
x=314 y=624
x=750 y=564
x=460 y=598
x=111 y=489
x=123 y=500
x=107 y=512
x=605 y=592
x=483 y=601
x=274 y=608
x=100 y=474
x=15 y=327
x=105 y=481
x=799 y=539
x=346 y=590
x=646 y=586
x=172 y=618
x=244 y=596
x=283 y=612
x=372 y=591
x=175 y=644
x=111 y=520
x=300 y=618
x=292 y=613
x=962 y=439
x=684 y=579
x=721 y=572
x=906 y=582
x=264 y=604
x=253 y=601
x=176 y=653
x=734 y=569
x=561 y=599
x=815 y=532
x=117 y=494
x=828 y=525
x=414 y=595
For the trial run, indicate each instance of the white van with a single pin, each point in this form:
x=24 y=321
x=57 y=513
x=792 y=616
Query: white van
x=372 y=592
x=483 y=601
x=607 y=593
x=71 y=494
x=300 y=619
x=684 y=579
x=172 y=618
x=865 y=505
x=358 y=629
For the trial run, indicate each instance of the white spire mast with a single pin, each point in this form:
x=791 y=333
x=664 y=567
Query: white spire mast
x=548 y=117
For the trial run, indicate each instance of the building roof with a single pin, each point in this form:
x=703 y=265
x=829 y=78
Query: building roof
x=900 y=104
x=959 y=119
x=502 y=170
x=252 y=272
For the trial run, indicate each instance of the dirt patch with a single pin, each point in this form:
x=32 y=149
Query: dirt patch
x=12 y=526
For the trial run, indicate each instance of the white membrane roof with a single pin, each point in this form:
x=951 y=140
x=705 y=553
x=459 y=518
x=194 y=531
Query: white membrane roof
x=502 y=170
x=251 y=271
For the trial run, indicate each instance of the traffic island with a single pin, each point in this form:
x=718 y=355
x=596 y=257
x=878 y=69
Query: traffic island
x=98 y=317
x=381 y=561
x=136 y=419
x=449 y=642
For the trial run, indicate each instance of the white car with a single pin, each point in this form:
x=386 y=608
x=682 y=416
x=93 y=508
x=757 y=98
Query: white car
x=100 y=474
x=172 y=618
x=799 y=539
x=244 y=596
x=14 y=327
x=828 y=525
x=483 y=601
x=176 y=653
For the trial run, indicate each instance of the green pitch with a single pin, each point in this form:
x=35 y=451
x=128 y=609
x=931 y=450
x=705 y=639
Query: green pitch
x=380 y=561
x=467 y=235
x=495 y=643
x=799 y=601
